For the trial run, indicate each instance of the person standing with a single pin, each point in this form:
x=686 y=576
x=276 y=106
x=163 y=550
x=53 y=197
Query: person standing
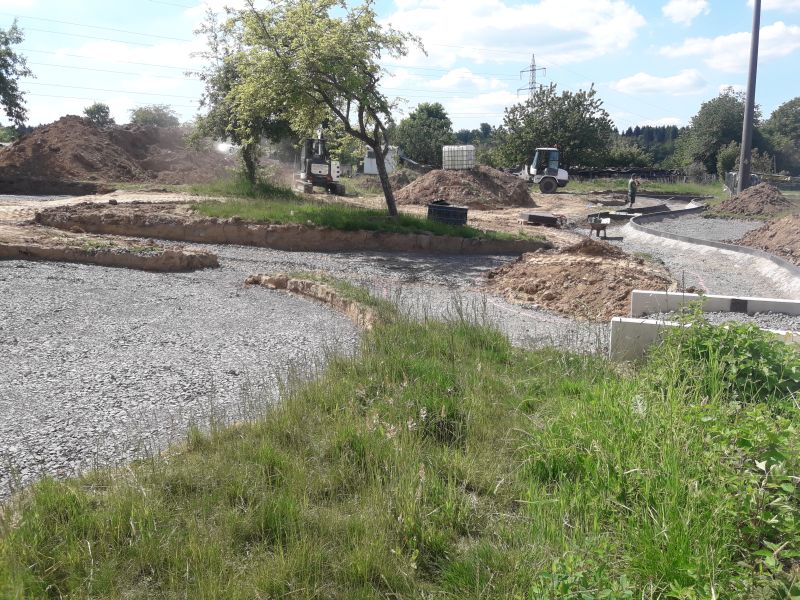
x=633 y=185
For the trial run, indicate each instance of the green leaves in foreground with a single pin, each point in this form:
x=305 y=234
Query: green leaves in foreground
x=443 y=463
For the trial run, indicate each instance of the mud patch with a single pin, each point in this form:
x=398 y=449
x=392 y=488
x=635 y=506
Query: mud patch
x=781 y=238
x=590 y=280
x=479 y=188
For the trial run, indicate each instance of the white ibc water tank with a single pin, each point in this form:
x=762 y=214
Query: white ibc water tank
x=458 y=157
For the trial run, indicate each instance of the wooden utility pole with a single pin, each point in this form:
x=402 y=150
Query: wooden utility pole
x=750 y=102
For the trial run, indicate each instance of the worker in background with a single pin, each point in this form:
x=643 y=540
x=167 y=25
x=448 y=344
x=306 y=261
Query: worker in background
x=633 y=185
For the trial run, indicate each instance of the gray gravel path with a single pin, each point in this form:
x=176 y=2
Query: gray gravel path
x=718 y=230
x=103 y=365
x=701 y=267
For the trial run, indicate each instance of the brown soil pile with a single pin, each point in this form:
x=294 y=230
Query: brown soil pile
x=73 y=149
x=480 y=188
x=760 y=200
x=781 y=237
x=589 y=280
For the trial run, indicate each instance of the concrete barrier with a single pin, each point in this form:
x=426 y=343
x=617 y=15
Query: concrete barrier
x=631 y=337
x=645 y=303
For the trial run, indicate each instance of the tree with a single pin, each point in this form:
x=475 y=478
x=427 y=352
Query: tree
x=244 y=128
x=12 y=68
x=574 y=122
x=717 y=123
x=423 y=133
x=157 y=115
x=298 y=60
x=99 y=114
x=627 y=153
x=783 y=130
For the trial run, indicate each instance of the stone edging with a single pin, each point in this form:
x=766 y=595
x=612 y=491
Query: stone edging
x=165 y=260
x=292 y=238
x=363 y=316
x=637 y=223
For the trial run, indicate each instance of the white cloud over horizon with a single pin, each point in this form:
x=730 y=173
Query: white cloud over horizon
x=777 y=4
x=730 y=52
x=685 y=11
x=688 y=81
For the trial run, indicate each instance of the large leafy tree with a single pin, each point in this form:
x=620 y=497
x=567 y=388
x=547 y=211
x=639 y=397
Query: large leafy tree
x=716 y=124
x=12 y=68
x=223 y=119
x=312 y=60
x=783 y=130
x=574 y=122
x=422 y=134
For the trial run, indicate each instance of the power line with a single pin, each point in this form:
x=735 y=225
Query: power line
x=78 y=87
x=100 y=27
x=91 y=99
x=89 y=37
x=115 y=72
x=127 y=62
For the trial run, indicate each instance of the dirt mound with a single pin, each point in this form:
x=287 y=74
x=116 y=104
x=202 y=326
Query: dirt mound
x=74 y=149
x=781 y=237
x=400 y=179
x=589 y=280
x=760 y=200
x=481 y=187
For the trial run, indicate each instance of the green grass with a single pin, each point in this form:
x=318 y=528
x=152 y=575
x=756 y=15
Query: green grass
x=620 y=185
x=270 y=204
x=348 y=291
x=443 y=463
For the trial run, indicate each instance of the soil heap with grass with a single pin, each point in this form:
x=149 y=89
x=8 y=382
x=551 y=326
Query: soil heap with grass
x=589 y=280
x=781 y=237
x=479 y=188
x=762 y=200
x=73 y=150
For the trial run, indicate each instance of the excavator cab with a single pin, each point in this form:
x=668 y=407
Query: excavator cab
x=317 y=168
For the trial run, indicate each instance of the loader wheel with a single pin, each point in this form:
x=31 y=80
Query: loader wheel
x=548 y=186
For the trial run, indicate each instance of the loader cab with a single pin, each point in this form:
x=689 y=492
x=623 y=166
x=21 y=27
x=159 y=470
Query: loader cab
x=546 y=170
x=546 y=161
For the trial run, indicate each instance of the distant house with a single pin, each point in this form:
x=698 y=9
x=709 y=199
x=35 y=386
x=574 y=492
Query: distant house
x=371 y=167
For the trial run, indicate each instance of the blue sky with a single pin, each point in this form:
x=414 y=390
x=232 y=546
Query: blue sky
x=652 y=62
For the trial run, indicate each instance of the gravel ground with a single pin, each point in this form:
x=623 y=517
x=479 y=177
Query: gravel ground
x=104 y=365
x=765 y=320
x=717 y=230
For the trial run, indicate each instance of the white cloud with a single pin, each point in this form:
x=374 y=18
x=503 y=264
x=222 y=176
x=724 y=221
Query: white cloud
x=730 y=52
x=497 y=31
x=685 y=11
x=688 y=81
x=465 y=78
x=777 y=4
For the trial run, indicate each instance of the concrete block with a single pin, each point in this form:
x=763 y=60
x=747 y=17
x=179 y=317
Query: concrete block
x=648 y=302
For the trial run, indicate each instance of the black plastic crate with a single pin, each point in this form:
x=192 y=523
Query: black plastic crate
x=445 y=213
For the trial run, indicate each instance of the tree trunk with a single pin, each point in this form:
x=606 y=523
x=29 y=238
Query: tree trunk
x=388 y=194
x=249 y=160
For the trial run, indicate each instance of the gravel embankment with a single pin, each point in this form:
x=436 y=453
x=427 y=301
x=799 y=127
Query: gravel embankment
x=103 y=365
x=711 y=229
